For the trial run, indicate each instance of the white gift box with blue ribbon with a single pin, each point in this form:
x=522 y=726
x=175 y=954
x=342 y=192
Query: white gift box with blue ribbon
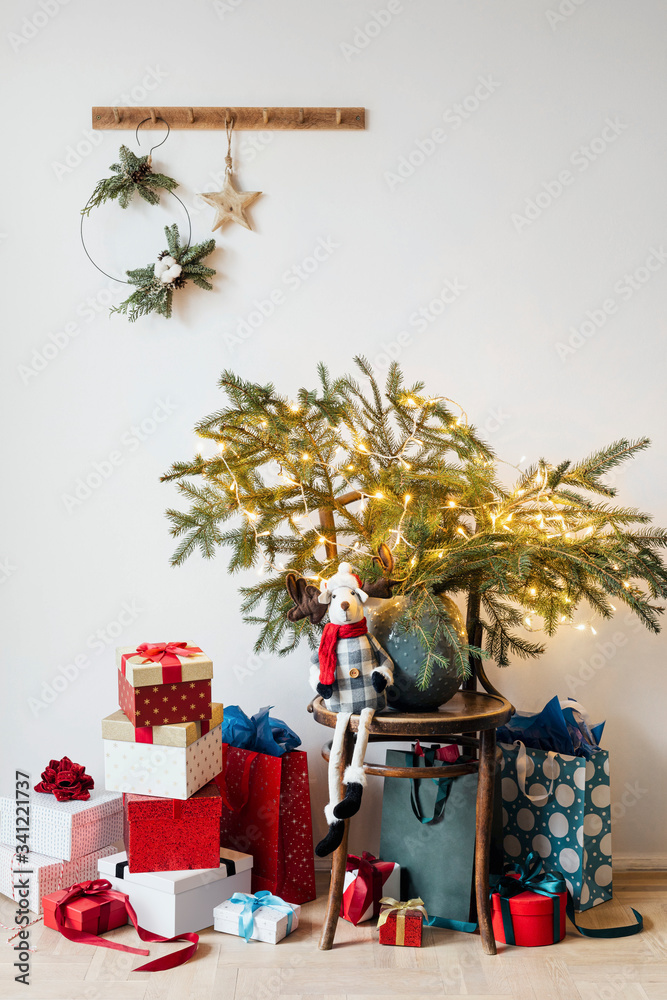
x=257 y=917
x=170 y=903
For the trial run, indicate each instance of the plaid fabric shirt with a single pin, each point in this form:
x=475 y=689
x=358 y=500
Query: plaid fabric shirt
x=361 y=656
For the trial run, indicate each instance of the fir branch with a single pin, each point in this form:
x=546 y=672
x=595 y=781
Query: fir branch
x=533 y=551
x=152 y=294
x=133 y=173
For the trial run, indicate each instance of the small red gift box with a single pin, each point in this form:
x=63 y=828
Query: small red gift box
x=167 y=835
x=401 y=923
x=163 y=683
x=87 y=909
x=87 y=913
x=529 y=918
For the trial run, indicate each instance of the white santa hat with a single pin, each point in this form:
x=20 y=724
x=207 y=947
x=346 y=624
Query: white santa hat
x=345 y=577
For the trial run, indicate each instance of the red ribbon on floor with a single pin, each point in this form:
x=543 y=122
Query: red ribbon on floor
x=100 y=890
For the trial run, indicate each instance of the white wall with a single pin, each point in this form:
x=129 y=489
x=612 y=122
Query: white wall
x=553 y=81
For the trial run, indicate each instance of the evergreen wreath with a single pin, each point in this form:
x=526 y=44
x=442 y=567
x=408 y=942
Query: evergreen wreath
x=133 y=173
x=156 y=282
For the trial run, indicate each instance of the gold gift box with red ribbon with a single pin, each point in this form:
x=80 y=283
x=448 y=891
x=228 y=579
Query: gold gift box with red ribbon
x=163 y=683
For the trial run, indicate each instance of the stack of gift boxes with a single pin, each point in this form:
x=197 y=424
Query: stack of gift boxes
x=164 y=772
x=163 y=750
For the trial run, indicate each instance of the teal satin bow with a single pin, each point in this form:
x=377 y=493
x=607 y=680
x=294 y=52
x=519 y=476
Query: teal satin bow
x=254 y=902
x=531 y=879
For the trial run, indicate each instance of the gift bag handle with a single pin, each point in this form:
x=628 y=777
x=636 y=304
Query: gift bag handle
x=444 y=786
x=521 y=768
x=577 y=707
x=245 y=780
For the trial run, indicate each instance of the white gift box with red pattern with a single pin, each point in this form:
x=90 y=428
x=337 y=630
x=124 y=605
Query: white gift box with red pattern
x=42 y=875
x=66 y=830
x=169 y=772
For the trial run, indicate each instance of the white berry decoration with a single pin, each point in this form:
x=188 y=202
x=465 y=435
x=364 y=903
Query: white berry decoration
x=167 y=269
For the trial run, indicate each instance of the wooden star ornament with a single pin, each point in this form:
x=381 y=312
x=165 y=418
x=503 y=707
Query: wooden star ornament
x=230 y=204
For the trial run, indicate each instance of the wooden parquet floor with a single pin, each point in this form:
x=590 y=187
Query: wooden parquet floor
x=359 y=968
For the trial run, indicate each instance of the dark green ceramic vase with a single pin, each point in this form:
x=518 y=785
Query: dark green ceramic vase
x=408 y=654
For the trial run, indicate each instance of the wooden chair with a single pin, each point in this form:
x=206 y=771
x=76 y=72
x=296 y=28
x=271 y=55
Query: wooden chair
x=467 y=713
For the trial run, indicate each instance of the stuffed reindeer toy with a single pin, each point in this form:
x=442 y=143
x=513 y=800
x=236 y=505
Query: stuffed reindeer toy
x=350 y=671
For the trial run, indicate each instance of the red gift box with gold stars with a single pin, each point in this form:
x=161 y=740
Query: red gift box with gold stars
x=160 y=684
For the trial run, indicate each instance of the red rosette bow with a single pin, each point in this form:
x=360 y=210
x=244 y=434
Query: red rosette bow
x=66 y=780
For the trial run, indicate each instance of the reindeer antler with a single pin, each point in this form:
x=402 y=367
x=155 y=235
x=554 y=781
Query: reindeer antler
x=306 y=600
x=383 y=586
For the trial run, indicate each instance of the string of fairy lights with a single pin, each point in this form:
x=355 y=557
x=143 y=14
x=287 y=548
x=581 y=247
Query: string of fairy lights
x=534 y=501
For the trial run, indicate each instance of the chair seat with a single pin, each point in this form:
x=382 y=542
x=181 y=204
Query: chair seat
x=465 y=712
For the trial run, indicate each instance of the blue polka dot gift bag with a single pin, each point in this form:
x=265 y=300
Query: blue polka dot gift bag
x=556 y=800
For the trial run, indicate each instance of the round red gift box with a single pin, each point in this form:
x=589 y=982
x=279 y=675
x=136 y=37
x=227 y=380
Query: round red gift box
x=532 y=918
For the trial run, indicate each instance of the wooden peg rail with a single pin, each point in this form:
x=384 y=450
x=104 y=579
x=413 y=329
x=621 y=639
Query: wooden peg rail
x=255 y=119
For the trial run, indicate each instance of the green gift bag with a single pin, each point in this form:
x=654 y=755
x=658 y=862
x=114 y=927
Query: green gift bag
x=428 y=828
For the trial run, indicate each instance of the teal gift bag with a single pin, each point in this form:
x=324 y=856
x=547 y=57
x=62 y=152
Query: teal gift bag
x=559 y=806
x=428 y=828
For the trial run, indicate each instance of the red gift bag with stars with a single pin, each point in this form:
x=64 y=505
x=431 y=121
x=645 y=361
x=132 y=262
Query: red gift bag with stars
x=266 y=813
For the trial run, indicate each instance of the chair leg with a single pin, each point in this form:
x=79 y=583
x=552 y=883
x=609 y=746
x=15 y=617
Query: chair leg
x=487 y=767
x=338 y=866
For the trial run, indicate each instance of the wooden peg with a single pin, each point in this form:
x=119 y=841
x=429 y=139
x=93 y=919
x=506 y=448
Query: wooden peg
x=338 y=116
x=265 y=116
x=153 y=116
x=116 y=116
x=300 y=116
x=191 y=115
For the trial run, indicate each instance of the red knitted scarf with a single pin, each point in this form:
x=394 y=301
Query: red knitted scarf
x=327 y=652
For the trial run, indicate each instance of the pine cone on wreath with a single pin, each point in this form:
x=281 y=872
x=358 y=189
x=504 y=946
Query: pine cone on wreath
x=141 y=172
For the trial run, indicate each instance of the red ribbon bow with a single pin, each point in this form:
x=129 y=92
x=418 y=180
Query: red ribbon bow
x=66 y=780
x=367 y=887
x=166 y=653
x=101 y=890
